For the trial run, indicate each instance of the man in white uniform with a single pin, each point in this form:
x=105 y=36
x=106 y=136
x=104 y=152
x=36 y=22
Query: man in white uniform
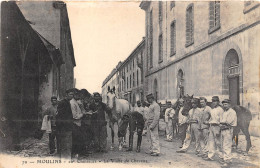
x=153 y=125
x=194 y=119
x=169 y=113
x=228 y=121
x=214 y=145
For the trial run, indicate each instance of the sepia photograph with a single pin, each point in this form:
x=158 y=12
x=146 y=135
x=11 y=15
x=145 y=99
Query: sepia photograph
x=130 y=83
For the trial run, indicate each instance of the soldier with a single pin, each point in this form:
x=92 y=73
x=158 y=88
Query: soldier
x=228 y=120
x=204 y=128
x=214 y=129
x=51 y=112
x=183 y=124
x=64 y=120
x=99 y=123
x=77 y=138
x=193 y=130
x=153 y=125
x=169 y=113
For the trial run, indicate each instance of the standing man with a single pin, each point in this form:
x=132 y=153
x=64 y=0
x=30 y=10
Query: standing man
x=228 y=121
x=169 y=113
x=214 y=129
x=64 y=120
x=153 y=125
x=139 y=108
x=193 y=130
x=51 y=112
x=183 y=123
x=99 y=123
x=77 y=138
x=146 y=112
x=204 y=128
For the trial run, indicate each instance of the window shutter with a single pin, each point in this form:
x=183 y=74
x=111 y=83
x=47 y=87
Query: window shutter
x=211 y=14
x=187 y=27
x=217 y=13
x=172 y=4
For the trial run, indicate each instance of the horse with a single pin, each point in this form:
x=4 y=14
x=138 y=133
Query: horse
x=244 y=117
x=118 y=107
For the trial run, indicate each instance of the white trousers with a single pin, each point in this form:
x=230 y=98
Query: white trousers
x=214 y=145
x=153 y=137
x=226 y=143
x=169 y=129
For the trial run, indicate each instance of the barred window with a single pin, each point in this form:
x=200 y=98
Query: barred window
x=189 y=25
x=173 y=38
x=214 y=16
x=160 y=48
x=133 y=79
x=137 y=80
x=172 y=4
x=127 y=83
x=130 y=83
x=160 y=15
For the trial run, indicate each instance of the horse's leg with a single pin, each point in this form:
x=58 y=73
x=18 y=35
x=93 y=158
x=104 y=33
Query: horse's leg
x=235 y=135
x=112 y=136
x=245 y=130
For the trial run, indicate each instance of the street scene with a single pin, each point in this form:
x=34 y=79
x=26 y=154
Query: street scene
x=135 y=83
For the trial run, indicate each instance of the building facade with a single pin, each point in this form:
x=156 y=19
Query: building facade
x=128 y=77
x=203 y=49
x=37 y=62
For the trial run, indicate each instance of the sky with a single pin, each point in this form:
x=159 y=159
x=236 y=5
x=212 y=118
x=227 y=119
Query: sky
x=103 y=33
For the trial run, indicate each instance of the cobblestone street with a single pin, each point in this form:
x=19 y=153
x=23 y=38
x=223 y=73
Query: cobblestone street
x=38 y=149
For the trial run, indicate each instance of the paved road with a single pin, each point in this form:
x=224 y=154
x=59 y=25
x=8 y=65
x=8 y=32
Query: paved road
x=168 y=157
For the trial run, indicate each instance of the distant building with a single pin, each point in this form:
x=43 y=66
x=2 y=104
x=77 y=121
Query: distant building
x=37 y=62
x=205 y=49
x=127 y=77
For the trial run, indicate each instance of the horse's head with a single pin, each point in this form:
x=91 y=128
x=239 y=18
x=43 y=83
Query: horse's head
x=187 y=105
x=111 y=96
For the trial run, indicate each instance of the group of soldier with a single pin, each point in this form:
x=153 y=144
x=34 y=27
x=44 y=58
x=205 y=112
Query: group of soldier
x=210 y=127
x=78 y=123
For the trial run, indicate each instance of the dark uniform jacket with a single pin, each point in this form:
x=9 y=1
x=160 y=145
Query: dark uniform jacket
x=98 y=116
x=64 y=118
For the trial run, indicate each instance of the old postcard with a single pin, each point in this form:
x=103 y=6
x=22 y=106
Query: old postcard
x=130 y=84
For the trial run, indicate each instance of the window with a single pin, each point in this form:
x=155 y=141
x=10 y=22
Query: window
x=120 y=86
x=133 y=63
x=127 y=68
x=160 y=15
x=137 y=80
x=173 y=38
x=189 y=25
x=127 y=83
x=133 y=79
x=250 y=5
x=130 y=82
x=160 y=48
x=151 y=39
x=172 y=4
x=214 y=16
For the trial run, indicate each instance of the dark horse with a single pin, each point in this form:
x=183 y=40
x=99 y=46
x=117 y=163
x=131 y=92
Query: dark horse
x=135 y=122
x=243 y=120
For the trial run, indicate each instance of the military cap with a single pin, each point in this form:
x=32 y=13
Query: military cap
x=96 y=94
x=150 y=96
x=226 y=101
x=215 y=98
x=69 y=90
x=53 y=98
